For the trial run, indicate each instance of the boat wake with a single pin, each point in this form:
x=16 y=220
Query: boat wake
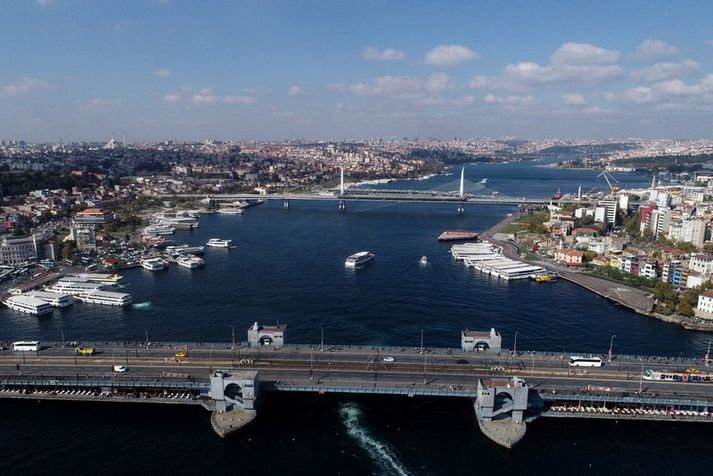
x=142 y=305
x=379 y=452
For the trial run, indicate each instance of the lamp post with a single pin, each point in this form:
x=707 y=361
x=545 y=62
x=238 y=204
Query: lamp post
x=611 y=344
x=708 y=353
x=61 y=333
x=641 y=377
x=232 y=332
x=514 y=346
x=146 y=331
x=321 y=339
x=421 y=341
x=532 y=373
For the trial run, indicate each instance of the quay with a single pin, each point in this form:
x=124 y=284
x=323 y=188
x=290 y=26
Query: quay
x=508 y=389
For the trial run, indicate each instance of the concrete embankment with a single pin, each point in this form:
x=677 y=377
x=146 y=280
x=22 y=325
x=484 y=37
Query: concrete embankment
x=226 y=423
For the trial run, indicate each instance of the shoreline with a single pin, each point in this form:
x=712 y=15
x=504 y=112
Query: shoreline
x=632 y=298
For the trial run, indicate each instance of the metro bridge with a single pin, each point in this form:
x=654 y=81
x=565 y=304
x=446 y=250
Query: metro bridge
x=460 y=192
x=508 y=388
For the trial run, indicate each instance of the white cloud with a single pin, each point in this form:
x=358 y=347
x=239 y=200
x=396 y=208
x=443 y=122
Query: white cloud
x=381 y=86
x=650 y=50
x=205 y=96
x=97 y=103
x=441 y=101
x=23 y=87
x=388 y=54
x=668 y=70
x=673 y=89
x=509 y=100
x=573 y=99
x=527 y=75
x=438 y=82
x=583 y=54
x=450 y=55
x=162 y=73
x=296 y=91
x=478 y=82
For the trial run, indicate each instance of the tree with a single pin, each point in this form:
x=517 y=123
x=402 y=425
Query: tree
x=68 y=250
x=631 y=225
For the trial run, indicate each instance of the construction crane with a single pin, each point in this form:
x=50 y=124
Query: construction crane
x=607 y=176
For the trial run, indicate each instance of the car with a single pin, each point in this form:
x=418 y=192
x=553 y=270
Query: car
x=181 y=355
x=120 y=368
x=461 y=361
x=388 y=359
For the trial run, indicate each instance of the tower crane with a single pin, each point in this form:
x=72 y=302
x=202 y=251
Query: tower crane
x=607 y=176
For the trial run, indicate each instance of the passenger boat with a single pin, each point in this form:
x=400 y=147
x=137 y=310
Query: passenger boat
x=53 y=299
x=219 y=243
x=424 y=260
x=231 y=211
x=358 y=259
x=108 y=298
x=457 y=235
x=184 y=249
x=154 y=264
x=28 y=305
x=190 y=261
x=546 y=277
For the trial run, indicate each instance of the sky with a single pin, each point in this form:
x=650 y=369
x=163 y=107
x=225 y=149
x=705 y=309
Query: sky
x=339 y=69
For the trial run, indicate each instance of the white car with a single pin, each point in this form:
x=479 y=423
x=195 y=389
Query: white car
x=388 y=359
x=120 y=368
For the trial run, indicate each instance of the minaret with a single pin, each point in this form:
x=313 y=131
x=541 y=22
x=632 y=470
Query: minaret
x=341 y=182
x=124 y=139
x=653 y=183
x=579 y=193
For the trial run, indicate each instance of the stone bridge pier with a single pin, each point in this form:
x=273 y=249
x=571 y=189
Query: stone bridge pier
x=500 y=407
x=235 y=395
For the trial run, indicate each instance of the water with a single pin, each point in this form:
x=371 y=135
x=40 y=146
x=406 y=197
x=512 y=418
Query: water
x=288 y=267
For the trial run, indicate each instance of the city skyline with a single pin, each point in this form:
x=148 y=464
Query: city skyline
x=77 y=70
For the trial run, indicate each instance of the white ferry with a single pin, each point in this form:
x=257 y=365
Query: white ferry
x=110 y=279
x=53 y=299
x=28 y=305
x=109 y=298
x=159 y=230
x=184 y=249
x=219 y=243
x=75 y=288
x=190 y=261
x=231 y=211
x=154 y=264
x=359 y=259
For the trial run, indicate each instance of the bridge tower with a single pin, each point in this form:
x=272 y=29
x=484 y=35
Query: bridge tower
x=461 y=192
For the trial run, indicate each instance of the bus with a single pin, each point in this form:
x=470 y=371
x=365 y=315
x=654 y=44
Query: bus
x=578 y=361
x=26 y=346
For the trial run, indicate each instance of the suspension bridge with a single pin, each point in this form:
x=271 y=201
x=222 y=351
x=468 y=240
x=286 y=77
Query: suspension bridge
x=460 y=192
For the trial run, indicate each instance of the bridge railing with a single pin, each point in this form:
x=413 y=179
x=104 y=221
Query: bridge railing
x=605 y=398
x=377 y=390
x=93 y=382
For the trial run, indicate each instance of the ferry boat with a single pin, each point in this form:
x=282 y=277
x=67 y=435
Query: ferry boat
x=546 y=277
x=457 y=235
x=108 y=298
x=557 y=195
x=190 y=261
x=159 y=230
x=154 y=264
x=110 y=279
x=184 y=249
x=74 y=288
x=53 y=299
x=231 y=211
x=28 y=305
x=358 y=259
x=424 y=260
x=219 y=243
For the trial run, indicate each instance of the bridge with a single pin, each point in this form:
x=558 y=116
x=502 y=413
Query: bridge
x=508 y=388
x=460 y=192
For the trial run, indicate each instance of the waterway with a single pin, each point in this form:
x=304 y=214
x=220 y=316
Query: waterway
x=288 y=266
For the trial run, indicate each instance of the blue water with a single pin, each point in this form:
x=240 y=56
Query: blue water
x=288 y=266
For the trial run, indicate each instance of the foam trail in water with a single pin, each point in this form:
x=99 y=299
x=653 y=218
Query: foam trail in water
x=142 y=305
x=379 y=452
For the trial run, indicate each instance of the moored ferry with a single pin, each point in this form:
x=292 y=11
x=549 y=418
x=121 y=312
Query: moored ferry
x=546 y=277
x=154 y=264
x=53 y=299
x=359 y=259
x=109 y=298
x=190 y=261
x=28 y=305
x=110 y=279
x=219 y=243
x=184 y=249
x=231 y=211
x=457 y=235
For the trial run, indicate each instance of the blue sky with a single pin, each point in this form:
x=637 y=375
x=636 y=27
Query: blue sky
x=270 y=69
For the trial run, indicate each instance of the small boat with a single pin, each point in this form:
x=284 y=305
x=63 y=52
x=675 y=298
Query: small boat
x=547 y=277
x=424 y=260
